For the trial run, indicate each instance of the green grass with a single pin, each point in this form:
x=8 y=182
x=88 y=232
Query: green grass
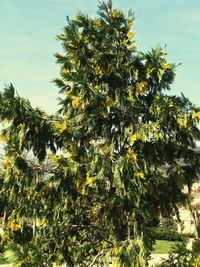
x=164 y=246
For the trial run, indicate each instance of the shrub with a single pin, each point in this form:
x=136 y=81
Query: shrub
x=162 y=233
x=182 y=257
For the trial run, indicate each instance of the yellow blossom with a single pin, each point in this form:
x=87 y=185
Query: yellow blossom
x=141 y=87
x=117 y=250
x=14 y=226
x=4 y=237
x=130 y=35
x=61 y=127
x=197 y=261
x=98 y=23
x=90 y=181
x=158 y=136
x=123 y=42
x=8 y=161
x=3 y=138
x=139 y=175
x=131 y=154
x=165 y=66
x=96 y=209
x=115 y=13
x=130 y=93
x=196 y=115
x=65 y=71
x=182 y=121
x=133 y=138
x=97 y=87
x=76 y=102
x=149 y=72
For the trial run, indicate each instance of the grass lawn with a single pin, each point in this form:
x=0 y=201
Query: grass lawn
x=164 y=246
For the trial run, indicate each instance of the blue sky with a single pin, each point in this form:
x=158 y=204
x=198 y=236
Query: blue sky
x=28 y=30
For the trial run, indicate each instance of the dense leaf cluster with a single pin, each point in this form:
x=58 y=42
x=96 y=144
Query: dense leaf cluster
x=90 y=180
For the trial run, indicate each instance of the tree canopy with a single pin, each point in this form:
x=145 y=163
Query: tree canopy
x=84 y=186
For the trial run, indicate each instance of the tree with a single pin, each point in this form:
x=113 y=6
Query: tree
x=120 y=150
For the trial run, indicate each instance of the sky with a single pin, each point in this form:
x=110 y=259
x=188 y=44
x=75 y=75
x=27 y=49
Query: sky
x=28 y=42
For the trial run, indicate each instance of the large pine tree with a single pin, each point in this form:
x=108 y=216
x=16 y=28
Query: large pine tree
x=84 y=186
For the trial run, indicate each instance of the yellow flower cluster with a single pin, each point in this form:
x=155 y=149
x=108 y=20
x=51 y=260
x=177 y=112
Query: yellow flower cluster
x=196 y=115
x=98 y=23
x=157 y=97
x=149 y=72
x=165 y=66
x=4 y=237
x=83 y=186
x=158 y=136
x=141 y=87
x=65 y=71
x=134 y=138
x=76 y=102
x=8 y=161
x=15 y=226
x=197 y=261
x=130 y=35
x=61 y=127
x=90 y=181
x=117 y=250
x=124 y=42
x=3 y=138
x=182 y=121
x=96 y=209
x=115 y=13
x=97 y=87
x=131 y=154
x=139 y=175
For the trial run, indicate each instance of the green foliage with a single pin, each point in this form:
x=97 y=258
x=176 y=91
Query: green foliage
x=162 y=233
x=130 y=253
x=28 y=128
x=24 y=255
x=181 y=257
x=164 y=246
x=90 y=180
